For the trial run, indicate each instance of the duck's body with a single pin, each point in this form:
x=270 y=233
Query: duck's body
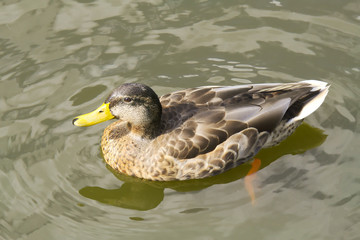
x=200 y=132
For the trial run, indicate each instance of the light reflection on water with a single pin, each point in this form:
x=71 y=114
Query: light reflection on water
x=59 y=59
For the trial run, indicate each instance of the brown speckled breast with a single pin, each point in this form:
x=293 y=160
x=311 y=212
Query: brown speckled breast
x=119 y=150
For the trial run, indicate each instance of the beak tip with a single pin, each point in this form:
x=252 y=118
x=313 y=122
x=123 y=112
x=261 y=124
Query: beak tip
x=74 y=120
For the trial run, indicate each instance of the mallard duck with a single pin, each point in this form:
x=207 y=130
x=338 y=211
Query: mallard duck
x=198 y=132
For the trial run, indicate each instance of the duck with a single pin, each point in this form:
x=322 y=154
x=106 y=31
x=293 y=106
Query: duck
x=198 y=132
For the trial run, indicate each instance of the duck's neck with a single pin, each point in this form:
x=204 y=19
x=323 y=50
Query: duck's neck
x=149 y=131
x=148 y=124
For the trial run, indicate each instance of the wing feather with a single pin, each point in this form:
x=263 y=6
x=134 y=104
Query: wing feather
x=195 y=121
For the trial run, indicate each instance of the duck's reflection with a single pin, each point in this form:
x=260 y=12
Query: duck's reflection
x=143 y=195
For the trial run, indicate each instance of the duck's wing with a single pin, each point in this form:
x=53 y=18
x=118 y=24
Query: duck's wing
x=179 y=106
x=197 y=120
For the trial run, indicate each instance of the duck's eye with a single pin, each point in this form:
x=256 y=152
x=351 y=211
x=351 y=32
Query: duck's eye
x=101 y=111
x=128 y=99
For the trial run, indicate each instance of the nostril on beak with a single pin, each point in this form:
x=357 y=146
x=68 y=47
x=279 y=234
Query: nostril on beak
x=74 y=120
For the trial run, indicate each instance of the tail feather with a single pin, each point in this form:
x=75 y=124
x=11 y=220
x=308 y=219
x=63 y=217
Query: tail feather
x=309 y=103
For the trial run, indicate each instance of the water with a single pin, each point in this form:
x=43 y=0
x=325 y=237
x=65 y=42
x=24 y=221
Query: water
x=61 y=58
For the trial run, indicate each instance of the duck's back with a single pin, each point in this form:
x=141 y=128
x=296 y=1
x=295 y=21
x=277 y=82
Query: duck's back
x=262 y=106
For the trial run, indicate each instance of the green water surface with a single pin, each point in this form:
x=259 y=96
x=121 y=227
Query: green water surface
x=59 y=59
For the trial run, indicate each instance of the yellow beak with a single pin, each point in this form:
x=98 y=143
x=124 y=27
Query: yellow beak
x=101 y=114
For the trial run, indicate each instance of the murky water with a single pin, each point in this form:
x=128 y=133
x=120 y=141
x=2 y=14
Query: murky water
x=61 y=58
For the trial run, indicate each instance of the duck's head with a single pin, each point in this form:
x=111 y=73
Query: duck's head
x=134 y=103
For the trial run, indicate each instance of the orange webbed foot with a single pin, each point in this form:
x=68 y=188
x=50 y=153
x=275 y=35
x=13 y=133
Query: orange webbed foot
x=249 y=178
